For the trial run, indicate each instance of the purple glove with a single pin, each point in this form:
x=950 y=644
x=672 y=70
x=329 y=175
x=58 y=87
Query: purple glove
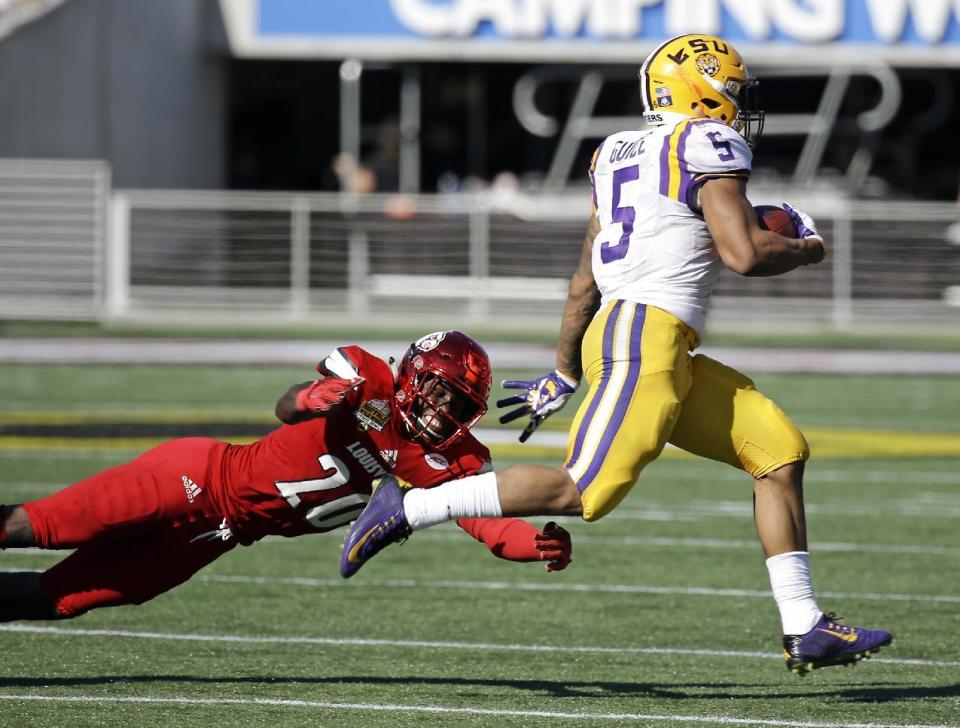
x=542 y=398
x=806 y=229
x=805 y=224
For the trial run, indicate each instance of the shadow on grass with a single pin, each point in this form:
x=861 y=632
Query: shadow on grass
x=555 y=688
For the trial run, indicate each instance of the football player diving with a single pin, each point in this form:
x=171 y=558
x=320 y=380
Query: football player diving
x=141 y=529
x=669 y=210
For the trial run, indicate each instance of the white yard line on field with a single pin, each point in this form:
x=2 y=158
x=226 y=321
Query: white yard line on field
x=449 y=710
x=816 y=472
x=920 y=505
x=565 y=586
x=696 y=591
x=715 y=543
x=691 y=470
x=429 y=644
x=69 y=453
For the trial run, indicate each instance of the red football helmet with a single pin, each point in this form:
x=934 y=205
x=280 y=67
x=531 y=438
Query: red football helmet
x=442 y=387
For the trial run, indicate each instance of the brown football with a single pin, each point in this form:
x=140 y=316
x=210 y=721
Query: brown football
x=771 y=217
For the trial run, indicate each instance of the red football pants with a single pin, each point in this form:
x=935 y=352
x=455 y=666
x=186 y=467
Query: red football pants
x=138 y=529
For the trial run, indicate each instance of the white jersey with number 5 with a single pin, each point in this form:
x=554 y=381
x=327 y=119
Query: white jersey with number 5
x=653 y=246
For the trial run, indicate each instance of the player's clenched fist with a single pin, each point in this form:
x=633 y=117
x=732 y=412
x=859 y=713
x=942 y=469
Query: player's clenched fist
x=325 y=394
x=555 y=546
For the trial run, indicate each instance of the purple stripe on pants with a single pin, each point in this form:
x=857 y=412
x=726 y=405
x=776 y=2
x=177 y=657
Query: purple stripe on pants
x=623 y=400
x=607 y=354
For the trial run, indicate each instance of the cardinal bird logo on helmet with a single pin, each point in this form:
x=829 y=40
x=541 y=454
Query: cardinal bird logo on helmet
x=430 y=341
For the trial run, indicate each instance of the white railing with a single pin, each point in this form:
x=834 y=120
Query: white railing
x=378 y=261
x=52 y=238
x=383 y=260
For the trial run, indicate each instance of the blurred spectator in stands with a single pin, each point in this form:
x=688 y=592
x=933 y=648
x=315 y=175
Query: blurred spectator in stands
x=504 y=189
x=380 y=171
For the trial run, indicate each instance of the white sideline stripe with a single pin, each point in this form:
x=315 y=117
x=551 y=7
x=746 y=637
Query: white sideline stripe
x=814 y=474
x=946 y=507
x=592 y=588
x=432 y=644
x=710 y=543
x=449 y=534
x=441 y=709
x=562 y=587
x=65 y=453
x=919 y=505
x=678 y=469
x=58 y=554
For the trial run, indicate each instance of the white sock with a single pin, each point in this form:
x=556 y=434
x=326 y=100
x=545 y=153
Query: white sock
x=793 y=590
x=473 y=497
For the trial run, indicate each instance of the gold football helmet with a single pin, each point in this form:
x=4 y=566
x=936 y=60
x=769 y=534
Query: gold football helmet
x=701 y=74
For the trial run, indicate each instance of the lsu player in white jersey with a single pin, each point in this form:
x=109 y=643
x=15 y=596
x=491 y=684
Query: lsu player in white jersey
x=669 y=211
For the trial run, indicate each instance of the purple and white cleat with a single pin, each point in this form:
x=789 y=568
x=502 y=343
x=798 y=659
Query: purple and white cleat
x=380 y=524
x=830 y=643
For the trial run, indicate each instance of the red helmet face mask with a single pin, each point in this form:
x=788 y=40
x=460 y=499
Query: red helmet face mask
x=443 y=385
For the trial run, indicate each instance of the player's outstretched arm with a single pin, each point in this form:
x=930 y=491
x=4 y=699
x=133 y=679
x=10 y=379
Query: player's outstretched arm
x=743 y=245
x=516 y=540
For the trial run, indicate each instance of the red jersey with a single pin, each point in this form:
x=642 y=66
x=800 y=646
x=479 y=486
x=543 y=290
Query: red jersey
x=317 y=475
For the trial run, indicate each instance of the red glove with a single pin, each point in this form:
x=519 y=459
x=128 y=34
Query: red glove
x=325 y=395
x=554 y=545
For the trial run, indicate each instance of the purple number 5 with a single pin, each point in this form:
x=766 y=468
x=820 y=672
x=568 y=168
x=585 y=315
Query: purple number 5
x=724 y=151
x=624 y=215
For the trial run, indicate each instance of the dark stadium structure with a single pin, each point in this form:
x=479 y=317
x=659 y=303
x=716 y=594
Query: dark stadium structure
x=155 y=89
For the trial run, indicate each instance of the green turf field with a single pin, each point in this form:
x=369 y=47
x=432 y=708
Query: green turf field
x=662 y=619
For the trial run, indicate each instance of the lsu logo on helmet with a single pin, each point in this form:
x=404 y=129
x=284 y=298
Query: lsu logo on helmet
x=698 y=75
x=708 y=64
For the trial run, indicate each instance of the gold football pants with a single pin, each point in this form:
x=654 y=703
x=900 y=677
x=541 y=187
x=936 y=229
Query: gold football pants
x=646 y=390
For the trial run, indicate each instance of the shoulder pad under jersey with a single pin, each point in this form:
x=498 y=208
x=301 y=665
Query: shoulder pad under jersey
x=696 y=150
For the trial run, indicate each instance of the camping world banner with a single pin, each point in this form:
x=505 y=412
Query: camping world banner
x=902 y=32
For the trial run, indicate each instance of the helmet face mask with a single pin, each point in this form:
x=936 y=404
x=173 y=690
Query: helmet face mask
x=750 y=118
x=439 y=411
x=701 y=76
x=443 y=385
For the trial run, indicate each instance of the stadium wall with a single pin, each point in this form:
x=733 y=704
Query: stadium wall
x=138 y=83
